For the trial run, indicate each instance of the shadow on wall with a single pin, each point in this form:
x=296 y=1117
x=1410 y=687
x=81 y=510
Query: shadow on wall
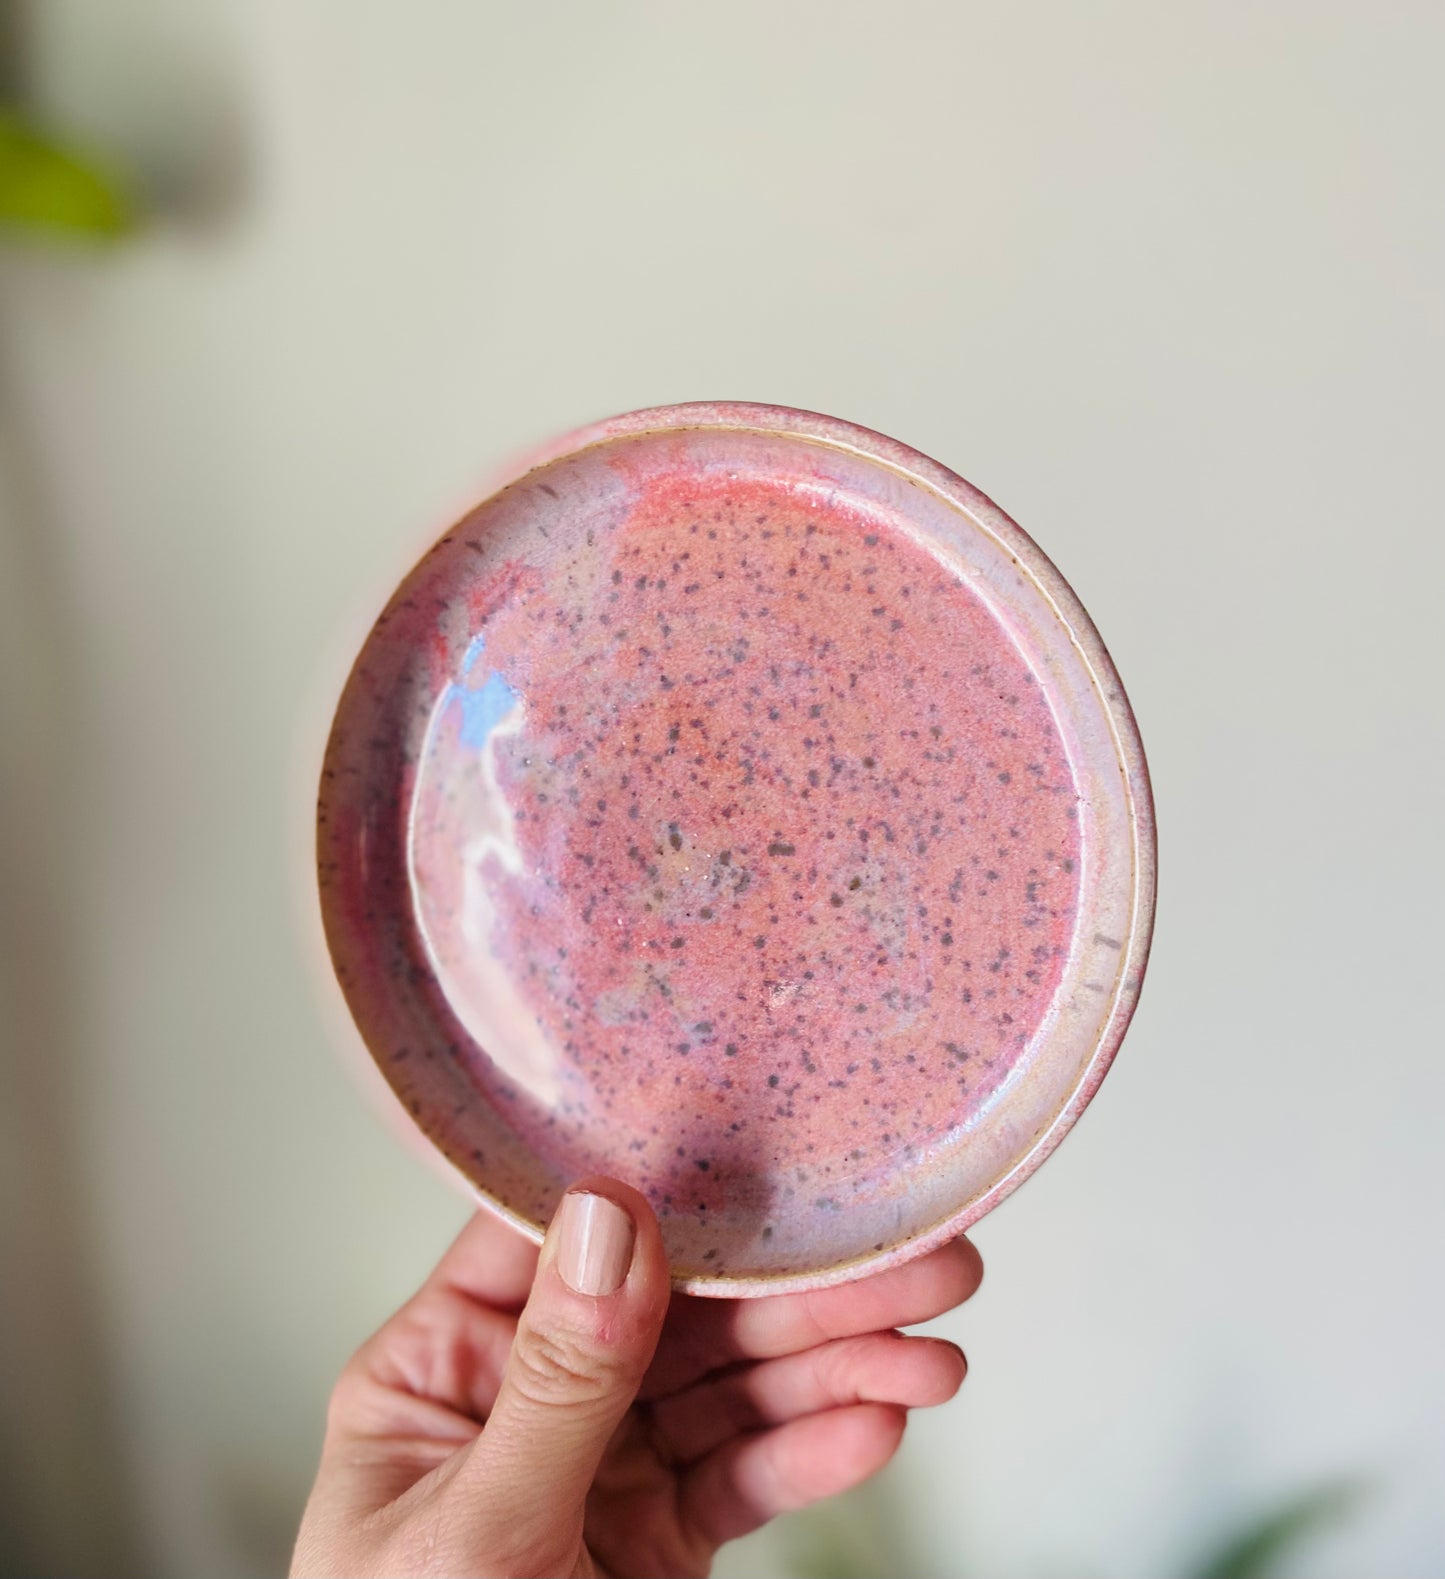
x=63 y=1503
x=175 y=149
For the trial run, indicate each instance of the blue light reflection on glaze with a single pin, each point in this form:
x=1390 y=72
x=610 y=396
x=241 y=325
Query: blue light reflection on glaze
x=484 y=706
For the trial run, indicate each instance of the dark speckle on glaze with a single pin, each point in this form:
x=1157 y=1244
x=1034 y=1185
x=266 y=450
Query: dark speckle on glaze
x=748 y=815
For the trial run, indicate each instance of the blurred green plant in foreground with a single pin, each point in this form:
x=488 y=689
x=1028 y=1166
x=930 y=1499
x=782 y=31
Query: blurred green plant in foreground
x=48 y=187
x=864 y=1536
x=1254 y=1551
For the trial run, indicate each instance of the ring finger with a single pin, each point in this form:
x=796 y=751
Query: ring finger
x=879 y=1367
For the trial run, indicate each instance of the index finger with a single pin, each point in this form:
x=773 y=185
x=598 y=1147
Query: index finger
x=703 y=1334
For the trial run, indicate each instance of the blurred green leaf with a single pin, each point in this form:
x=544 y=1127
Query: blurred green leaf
x=863 y=1534
x=1255 y=1550
x=47 y=187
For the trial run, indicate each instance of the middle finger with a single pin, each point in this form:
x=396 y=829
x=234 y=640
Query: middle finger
x=703 y=1334
x=878 y=1367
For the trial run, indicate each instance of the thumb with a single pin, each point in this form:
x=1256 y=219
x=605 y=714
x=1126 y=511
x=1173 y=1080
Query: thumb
x=582 y=1346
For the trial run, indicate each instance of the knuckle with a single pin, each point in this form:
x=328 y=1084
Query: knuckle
x=561 y=1367
x=837 y=1369
x=813 y=1318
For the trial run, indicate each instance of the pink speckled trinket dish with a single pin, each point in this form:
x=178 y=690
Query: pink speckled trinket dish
x=739 y=803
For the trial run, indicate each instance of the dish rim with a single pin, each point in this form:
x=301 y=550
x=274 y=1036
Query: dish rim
x=984 y=516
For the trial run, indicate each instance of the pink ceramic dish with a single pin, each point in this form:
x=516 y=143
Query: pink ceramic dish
x=738 y=802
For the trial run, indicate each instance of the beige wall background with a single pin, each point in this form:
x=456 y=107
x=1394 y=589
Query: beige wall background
x=1165 y=280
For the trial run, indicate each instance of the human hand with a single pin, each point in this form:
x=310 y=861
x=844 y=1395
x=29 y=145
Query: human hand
x=559 y=1415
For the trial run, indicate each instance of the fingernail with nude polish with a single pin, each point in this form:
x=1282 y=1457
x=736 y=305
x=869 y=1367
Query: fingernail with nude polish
x=594 y=1243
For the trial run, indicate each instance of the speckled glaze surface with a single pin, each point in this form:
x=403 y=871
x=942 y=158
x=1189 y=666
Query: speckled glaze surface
x=738 y=802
